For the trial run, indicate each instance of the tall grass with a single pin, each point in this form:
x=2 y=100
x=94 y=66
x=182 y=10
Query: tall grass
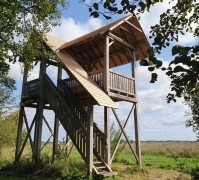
x=180 y=156
x=171 y=149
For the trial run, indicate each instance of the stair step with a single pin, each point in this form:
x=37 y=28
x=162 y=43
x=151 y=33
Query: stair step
x=107 y=173
x=100 y=167
x=97 y=162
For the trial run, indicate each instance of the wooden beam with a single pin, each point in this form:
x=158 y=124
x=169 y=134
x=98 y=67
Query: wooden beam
x=106 y=75
x=25 y=141
x=126 y=137
x=121 y=41
x=39 y=119
x=36 y=106
x=126 y=30
x=89 y=140
x=136 y=120
x=53 y=63
x=120 y=97
x=56 y=123
x=20 y=121
x=107 y=134
x=120 y=135
x=133 y=26
x=28 y=134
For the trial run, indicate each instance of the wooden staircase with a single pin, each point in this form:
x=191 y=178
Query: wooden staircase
x=73 y=118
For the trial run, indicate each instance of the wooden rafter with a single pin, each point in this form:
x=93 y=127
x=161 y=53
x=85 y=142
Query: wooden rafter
x=128 y=25
x=116 y=38
x=133 y=26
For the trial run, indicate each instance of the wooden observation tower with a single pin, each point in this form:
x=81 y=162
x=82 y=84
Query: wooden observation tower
x=88 y=61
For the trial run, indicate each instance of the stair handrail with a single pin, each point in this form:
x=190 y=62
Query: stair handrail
x=76 y=130
x=97 y=132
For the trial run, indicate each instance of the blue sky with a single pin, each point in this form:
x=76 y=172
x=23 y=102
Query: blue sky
x=158 y=120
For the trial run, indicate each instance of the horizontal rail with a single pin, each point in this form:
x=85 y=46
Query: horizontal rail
x=31 y=88
x=121 y=83
x=118 y=83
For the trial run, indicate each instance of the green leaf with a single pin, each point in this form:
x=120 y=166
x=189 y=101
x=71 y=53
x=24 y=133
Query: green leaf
x=96 y=6
x=95 y=14
x=179 y=69
x=120 y=12
x=151 y=68
x=154 y=77
x=90 y=9
x=144 y=62
x=158 y=63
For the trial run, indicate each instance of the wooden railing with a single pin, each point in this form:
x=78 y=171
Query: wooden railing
x=99 y=142
x=76 y=108
x=98 y=78
x=117 y=83
x=121 y=83
x=31 y=89
x=73 y=118
x=74 y=128
x=75 y=86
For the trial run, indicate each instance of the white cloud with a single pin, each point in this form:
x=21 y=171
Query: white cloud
x=16 y=71
x=71 y=29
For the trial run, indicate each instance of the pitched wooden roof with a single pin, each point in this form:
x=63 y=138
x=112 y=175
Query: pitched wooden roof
x=53 y=42
x=80 y=74
x=88 y=50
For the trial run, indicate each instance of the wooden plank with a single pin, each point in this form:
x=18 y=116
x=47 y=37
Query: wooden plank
x=120 y=97
x=89 y=140
x=136 y=120
x=106 y=79
x=133 y=26
x=126 y=137
x=120 y=135
x=116 y=38
x=107 y=133
x=56 y=122
x=20 y=121
x=39 y=119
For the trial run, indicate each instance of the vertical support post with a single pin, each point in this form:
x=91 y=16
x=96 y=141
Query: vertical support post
x=20 y=121
x=106 y=79
x=89 y=139
x=107 y=133
x=39 y=119
x=106 y=84
x=56 y=123
x=136 y=120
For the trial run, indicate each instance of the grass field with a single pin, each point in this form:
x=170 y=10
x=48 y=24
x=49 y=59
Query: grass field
x=161 y=160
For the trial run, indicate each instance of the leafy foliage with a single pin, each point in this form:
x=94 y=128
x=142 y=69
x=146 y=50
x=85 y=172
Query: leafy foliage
x=193 y=102
x=8 y=130
x=182 y=18
x=22 y=23
x=20 y=20
x=6 y=88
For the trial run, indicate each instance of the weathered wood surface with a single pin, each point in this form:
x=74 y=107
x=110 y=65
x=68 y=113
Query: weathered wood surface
x=89 y=85
x=118 y=84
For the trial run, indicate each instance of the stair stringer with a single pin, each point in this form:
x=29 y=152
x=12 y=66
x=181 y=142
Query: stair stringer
x=74 y=128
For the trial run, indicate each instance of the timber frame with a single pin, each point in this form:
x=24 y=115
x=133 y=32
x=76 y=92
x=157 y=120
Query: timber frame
x=88 y=61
